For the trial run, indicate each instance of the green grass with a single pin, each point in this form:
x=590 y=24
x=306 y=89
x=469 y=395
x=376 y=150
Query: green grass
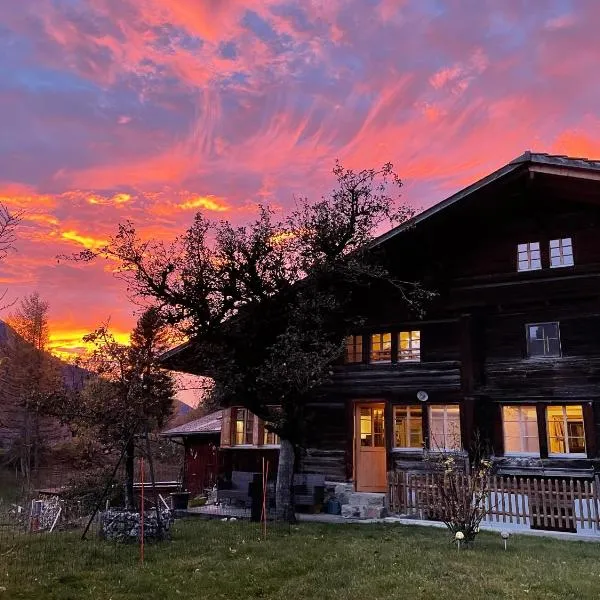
x=211 y=560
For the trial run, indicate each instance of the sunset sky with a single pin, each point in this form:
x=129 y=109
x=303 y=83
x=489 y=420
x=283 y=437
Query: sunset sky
x=153 y=109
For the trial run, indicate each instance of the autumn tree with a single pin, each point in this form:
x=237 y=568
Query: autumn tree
x=267 y=306
x=127 y=395
x=36 y=374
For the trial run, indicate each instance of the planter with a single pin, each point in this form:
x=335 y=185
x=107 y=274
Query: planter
x=179 y=500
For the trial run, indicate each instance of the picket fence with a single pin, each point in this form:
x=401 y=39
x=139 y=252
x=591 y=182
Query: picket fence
x=549 y=503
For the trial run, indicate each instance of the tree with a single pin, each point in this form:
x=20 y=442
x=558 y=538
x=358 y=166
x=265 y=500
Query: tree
x=128 y=395
x=36 y=374
x=268 y=305
x=9 y=222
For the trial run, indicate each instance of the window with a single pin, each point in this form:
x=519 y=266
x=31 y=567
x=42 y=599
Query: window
x=561 y=253
x=543 y=339
x=409 y=345
x=408 y=427
x=520 y=430
x=371 y=427
x=566 y=433
x=270 y=438
x=354 y=349
x=529 y=258
x=381 y=347
x=244 y=423
x=444 y=427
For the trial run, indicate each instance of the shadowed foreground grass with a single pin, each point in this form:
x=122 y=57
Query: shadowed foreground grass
x=211 y=560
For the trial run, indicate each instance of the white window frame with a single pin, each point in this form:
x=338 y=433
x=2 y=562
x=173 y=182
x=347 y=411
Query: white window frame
x=564 y=256
x=371 y=351
x=565 y=421
x=413 y=352
x=543 y=356
x=522 y=430
x=410 y=416
x=445 y=428
x=529 y=253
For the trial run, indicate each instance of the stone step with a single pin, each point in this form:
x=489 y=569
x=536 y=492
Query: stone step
x=366 y=499
x=363 y=511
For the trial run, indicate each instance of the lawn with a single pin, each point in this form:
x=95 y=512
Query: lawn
x=211 y=560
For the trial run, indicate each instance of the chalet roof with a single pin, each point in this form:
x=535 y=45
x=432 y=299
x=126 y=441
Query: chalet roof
x=553 y=164
x=204 y=425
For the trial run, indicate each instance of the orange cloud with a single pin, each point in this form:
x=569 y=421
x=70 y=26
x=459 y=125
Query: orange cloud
x=207 y=202
x=87 y=242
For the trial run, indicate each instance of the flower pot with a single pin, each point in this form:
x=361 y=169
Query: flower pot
x=179 y=500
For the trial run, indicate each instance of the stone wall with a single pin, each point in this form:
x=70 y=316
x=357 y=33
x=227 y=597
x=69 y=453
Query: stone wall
x=125 y=526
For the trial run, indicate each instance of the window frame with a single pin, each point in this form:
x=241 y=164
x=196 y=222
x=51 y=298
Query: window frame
x=565 y=421
x=410 y=416
x=381 y=341
x=521 y=432
x=527 y=342
x=275 y=444
x=528 y=253
x=411 y=350
x=248 y=429
x=356 y=344
x=561 y=254
x=444 y=448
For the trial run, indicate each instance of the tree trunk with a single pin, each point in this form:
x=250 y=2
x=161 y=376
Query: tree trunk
x=129 y=468
x=285 y=476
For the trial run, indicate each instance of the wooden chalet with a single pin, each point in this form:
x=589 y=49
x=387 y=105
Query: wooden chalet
x=509 y=346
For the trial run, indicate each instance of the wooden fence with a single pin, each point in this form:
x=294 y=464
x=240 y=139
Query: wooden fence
x=558 y=504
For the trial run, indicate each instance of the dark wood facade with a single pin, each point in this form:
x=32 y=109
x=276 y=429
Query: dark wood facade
x=473 y=335
x=473 y=343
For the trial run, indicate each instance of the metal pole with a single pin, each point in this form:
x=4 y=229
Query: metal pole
x=142 y=510
x=152 y=478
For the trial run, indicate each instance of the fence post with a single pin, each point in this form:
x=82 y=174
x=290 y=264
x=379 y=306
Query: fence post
x=596 y=496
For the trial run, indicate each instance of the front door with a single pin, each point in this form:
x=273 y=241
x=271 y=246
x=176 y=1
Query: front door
x=369 y=453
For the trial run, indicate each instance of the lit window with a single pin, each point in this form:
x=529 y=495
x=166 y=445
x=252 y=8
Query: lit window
x=372 y=427
x=561 y=253
x=354 y=349
x=520 y=430
x=543 y=339
x=566 y=433
x=529 y=258
x=381 y=347
x=270 y=438
x=244 y=422
x=408 y=427
x=409 y=346
x=444 y=427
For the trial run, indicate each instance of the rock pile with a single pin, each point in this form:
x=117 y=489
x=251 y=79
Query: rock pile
x=125 y=526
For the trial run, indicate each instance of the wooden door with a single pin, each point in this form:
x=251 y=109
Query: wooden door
x=370 y=452
x=201 y=466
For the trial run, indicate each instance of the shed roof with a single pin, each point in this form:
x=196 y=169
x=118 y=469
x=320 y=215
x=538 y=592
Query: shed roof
x=209 y=424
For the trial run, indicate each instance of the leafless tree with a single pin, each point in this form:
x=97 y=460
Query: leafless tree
x=9 y=221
